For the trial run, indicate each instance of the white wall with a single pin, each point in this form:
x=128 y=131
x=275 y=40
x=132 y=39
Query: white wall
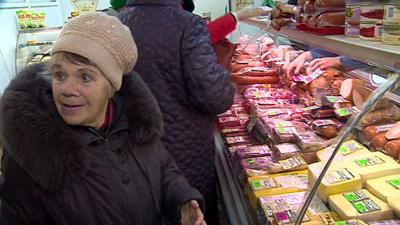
x=216 y=7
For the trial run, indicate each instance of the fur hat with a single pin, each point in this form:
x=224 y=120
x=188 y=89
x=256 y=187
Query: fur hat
x=102 y=39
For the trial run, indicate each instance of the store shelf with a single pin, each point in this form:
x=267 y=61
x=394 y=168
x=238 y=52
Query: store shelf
x=373 y=53
x=236 y=207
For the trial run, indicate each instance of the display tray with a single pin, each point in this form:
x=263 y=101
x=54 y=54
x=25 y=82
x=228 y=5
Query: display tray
x=320 y=31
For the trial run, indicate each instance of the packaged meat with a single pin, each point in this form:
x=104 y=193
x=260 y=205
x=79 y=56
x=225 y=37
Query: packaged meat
x=330 y=101
x=371 y=131
x=345 y=113
x=259 y=71
x=329 y=5
x=239 y=79
x=285 y=151
x=312 y=21
x=392 y=148
x=308 y=7
x=393 y=132
x=391 y=34
x=308 y=141
x=371 y=32
x=257 y=163
x=372 y=13
x=379 y=141
x=234 y=131
x=348 y=85
x=239 y=140
x=391 y=14
x=294 y=163
x=352 y=29
x=278 y=23
x=353 y=13
x=283 y=135
x=253 y=151
x=331 y=19
x=322 y=113
x=325 y=128
x=381 y=116
x=385 y=222
x=226 y=122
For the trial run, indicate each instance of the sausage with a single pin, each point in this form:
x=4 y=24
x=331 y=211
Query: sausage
x=330 y=4
x=328 y=131
x=254 y=80
x=312 y=21
x=394 y=132
x=392 y=148
x=348 y=85
x=309 y=7
x=379 y=141
x=264 y=73
x=330 y=19
x=322 y=113
x=369 y=132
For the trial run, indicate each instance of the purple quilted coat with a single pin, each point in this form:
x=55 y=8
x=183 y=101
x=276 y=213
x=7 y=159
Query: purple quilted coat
x=178 y=63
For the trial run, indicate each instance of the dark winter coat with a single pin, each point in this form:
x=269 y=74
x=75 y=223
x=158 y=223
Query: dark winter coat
x=178 y=63
x=65 y=175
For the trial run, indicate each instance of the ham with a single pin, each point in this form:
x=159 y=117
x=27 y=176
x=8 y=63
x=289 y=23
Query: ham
x=348 y=85
x=394 y=132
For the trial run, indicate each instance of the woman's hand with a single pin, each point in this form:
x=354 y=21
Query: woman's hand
x=191 y=214
x=325 y=63
x=298 y=63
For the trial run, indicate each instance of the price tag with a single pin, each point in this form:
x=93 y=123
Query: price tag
x=395 y=183
x=311 y=108
x=370 y=161
x=347 y=111
x=384 y=128
x=350 y=147
x=339 y=176
x=320 y=123
x=355 y=196
x=263 y=184
x=366 y=206
x=293 y=162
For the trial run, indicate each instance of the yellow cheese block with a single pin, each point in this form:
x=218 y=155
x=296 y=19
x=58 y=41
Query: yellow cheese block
x=276 y=184
x=384 y=187
x=374 y=165
x=339 y=178
x=361 y=205
x=347 y=150
x=394 y=203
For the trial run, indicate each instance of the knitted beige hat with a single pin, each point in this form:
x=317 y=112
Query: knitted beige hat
x=103 y=40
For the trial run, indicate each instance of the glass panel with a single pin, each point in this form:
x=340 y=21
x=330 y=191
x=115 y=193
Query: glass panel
x=11 y=1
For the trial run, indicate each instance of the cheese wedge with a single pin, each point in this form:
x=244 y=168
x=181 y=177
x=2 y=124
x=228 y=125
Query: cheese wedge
x=384 y=187
x=276 y=184
x=347 y=150
x=394 y=203
x=374 y=165
x=361 y=205
x=339 y=178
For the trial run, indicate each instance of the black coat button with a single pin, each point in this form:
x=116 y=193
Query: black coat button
x=126 y=179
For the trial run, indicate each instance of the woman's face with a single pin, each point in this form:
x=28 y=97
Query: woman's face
x=81 y=93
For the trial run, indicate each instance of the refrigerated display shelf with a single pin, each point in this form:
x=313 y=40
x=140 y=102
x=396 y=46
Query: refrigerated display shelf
x=373 y=53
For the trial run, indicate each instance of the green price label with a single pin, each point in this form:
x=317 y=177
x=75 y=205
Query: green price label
x=355 y=196
x=395 y=183
x=257 y=185
x=331 y=98
x=282 y=130
x=340 y=223
x=361 y=207
x=343 y=112
x=251 y=161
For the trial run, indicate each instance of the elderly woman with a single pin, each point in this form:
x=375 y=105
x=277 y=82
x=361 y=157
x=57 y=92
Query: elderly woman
x=83 y=147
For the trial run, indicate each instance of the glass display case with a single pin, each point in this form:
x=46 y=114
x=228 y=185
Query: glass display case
x=34 y=45
x=322 y=152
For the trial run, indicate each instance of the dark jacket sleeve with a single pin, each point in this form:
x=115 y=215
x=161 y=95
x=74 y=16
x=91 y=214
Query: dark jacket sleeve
x=175 y=189
x=19 y=196
x=209 y=84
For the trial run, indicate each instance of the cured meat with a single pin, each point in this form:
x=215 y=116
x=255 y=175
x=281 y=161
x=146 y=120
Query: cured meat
x=330 y=19
x=394 y=132
x=348 y=85
x=392 y=148
x=254 y=80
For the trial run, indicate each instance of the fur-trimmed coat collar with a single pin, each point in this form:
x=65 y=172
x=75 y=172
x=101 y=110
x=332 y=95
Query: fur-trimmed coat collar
x=49 y=150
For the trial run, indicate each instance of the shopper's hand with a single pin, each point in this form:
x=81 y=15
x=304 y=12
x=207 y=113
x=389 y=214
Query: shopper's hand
x=325 y=63
x=191 y=214
x=251 y=12
x=295 y=66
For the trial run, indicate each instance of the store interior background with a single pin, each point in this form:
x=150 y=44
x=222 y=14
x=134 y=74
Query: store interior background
x=57 y=13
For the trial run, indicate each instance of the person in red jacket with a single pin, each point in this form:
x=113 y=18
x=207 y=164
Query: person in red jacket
x=226 y=24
